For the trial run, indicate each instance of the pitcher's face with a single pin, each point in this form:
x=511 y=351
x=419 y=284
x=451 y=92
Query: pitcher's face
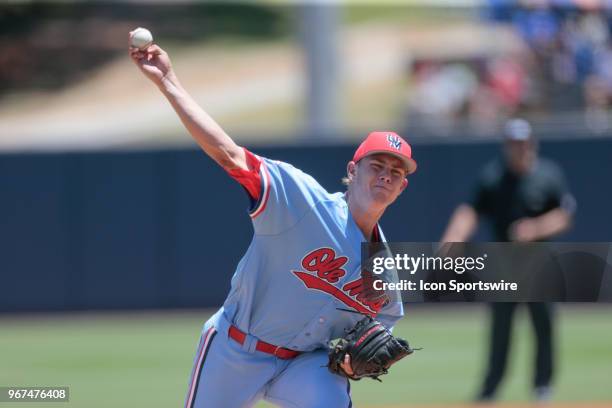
x=377 y=179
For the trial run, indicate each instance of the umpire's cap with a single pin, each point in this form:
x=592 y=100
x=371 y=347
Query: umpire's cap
x=388 y=143
x=518 y=129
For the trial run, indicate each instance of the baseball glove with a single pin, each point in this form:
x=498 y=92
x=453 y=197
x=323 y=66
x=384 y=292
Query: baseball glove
x=372 y=349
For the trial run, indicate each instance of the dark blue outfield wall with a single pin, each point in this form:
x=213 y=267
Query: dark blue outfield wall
x=166 y=228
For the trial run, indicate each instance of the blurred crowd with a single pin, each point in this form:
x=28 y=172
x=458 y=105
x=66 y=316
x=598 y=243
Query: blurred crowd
x=564 y=64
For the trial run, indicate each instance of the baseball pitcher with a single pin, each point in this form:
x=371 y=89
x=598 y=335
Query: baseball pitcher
x=299 y=285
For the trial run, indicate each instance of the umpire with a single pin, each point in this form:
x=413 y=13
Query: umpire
x=526 y=199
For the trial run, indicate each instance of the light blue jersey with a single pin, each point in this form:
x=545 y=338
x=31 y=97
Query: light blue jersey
x=291 y=289
x=302 y=265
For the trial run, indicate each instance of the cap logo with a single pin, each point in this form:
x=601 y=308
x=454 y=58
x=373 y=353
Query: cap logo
x=394 y=141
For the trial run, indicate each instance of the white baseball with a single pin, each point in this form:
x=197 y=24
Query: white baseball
x=141 y=38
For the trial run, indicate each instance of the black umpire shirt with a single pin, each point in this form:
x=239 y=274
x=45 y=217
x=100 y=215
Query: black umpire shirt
x=504 y=197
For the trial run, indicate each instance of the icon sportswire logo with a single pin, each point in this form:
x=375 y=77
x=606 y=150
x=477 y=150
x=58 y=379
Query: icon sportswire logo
x=394 y=141
x=325 y=269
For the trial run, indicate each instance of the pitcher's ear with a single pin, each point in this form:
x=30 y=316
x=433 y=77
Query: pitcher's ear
x=351 y=168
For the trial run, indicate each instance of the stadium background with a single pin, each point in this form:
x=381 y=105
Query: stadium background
x=117 y=235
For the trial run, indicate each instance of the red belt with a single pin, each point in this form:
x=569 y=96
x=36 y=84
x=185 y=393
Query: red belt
x=280 y=352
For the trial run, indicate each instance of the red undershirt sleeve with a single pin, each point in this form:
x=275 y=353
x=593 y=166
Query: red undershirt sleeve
x=250 y=179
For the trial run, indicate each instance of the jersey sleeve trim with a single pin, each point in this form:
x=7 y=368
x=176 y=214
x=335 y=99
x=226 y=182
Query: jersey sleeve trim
x=260 y=205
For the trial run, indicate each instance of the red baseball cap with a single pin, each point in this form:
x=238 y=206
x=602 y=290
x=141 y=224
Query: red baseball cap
x=387 y=143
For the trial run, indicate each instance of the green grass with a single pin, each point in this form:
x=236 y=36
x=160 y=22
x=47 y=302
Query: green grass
x=455 y=344
x=144 y=359
x=406 y=11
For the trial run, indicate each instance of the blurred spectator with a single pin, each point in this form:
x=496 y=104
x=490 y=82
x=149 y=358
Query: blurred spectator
x=596 y=95
x=440 y=95
x=566 y=65
x=537 y=24
x=506 y=79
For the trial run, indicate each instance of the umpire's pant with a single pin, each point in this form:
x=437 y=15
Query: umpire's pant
x=501 y=328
